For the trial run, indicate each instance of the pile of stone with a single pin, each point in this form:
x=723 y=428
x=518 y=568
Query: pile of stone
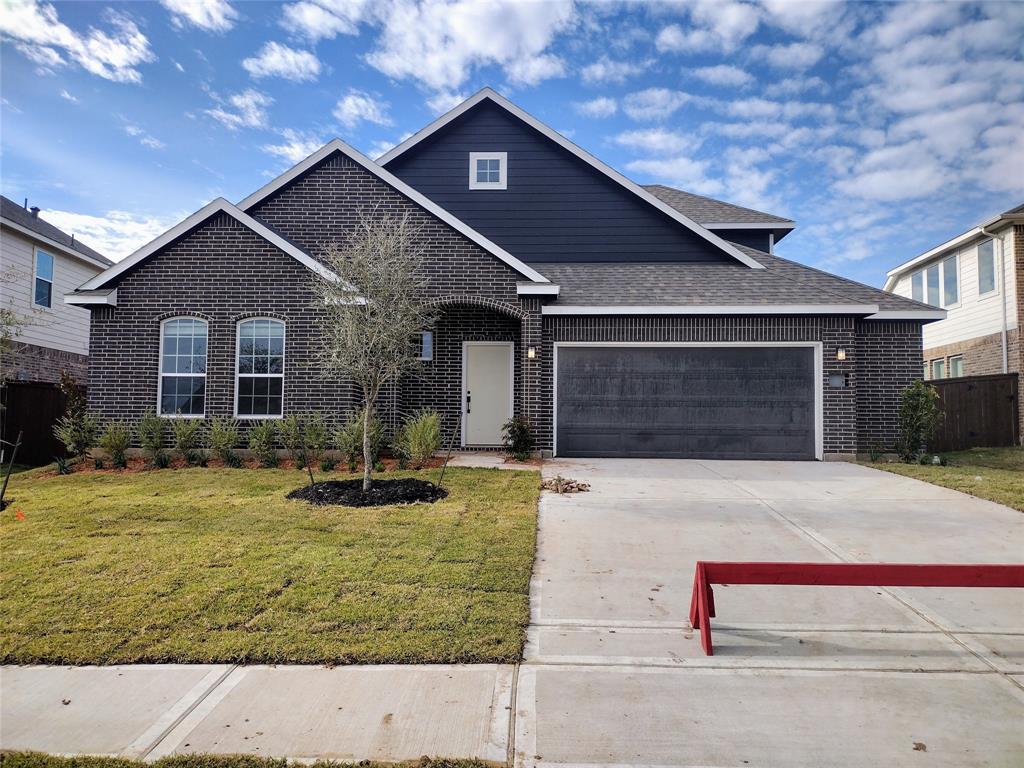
x=561 y=484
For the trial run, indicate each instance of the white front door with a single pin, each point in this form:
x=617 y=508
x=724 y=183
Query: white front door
x=486 y=391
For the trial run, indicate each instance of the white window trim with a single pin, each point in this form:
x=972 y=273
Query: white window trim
x=501 y=157
x=941 y=264
x=931 y=368
x=995 y=269
x=160 y=371
x=35 y=276
x=949 y=366
x=420 y=356
x=284 y=362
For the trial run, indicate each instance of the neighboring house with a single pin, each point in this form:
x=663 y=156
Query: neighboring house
x=40 y=264
x=978 y=278
x=621 y=320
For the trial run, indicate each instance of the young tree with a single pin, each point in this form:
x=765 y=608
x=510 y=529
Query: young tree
x=373 y=312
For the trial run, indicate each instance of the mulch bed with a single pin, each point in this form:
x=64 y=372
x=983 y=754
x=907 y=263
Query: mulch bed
x=349 y=493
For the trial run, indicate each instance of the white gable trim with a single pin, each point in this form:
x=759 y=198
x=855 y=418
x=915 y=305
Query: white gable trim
x=88 y=298
x=537 y=289
x=751 y=225
x=712 y=309
x=337 y=145
x=220 y=205
x=588 y=158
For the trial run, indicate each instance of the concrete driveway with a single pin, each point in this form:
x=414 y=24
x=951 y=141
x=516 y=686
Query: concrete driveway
x=802 y=676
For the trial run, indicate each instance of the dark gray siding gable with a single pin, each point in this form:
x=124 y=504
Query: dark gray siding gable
x=556 y=206
x=759 y=239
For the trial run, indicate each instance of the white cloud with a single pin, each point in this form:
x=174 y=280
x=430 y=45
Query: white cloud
x=69 y=97
x=715 y=25
x=208 y=15
x=442 y=101
x=113 y=55
x=653 y=103
x=276 y=60
x=658 y=141
x=794 y=86
x=358 y=106
x=603 y=106
x=605 y=70
x=144 y=138
x=439 y=43
x=895 y=173
x=757 y=107
x=116 y=234
x=323 y=19
x=683 y=172
x=295 y=147
x=722 y=74
x=798 y=56
x=45 y=58
x=247 y=109
x=177 y=66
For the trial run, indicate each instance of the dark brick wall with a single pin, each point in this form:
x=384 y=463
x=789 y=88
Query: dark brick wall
x=889 y=359
x=30 y=362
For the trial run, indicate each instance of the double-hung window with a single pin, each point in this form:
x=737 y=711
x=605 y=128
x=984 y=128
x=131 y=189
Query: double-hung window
x=260 y=371
x=488 y=170
x=939 y=368
x=986 y=267
x=43 y=283
x=183 y=367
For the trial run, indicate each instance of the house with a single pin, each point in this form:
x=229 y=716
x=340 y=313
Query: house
x=978 y=278
x=621 y=320
x=40 y=263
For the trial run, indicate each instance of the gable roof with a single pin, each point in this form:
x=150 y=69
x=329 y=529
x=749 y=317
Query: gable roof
x=18 y=218
x=337 y=145
x=645 y=195
x=713 y=213
x=220 y=205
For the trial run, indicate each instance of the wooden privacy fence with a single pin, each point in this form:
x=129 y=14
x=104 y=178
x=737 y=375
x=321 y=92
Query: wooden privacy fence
x=981 y=412
x=33 y=408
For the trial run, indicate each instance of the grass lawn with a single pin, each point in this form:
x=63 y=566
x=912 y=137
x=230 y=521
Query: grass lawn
x=41 y=760
x=996 y=474
x=215 y=565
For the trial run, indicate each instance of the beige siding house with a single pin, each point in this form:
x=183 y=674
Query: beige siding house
x=40 y=264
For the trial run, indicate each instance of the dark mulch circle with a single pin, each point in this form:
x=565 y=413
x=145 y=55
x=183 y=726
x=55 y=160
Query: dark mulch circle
x=349 y=493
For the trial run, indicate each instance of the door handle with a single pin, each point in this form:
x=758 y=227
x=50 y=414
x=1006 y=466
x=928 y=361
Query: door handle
x=469 y=399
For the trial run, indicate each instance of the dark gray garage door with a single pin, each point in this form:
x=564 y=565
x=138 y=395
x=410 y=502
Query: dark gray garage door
x=686 y=402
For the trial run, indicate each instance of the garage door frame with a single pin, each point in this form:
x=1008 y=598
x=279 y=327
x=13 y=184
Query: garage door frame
x=819 y=411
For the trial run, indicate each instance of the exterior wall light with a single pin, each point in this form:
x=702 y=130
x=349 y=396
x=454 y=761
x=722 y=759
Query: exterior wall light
x=840 y=354
x=531 y=352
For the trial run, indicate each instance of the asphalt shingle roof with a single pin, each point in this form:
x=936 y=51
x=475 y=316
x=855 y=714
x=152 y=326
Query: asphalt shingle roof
x=706 y=210
x=11 y=211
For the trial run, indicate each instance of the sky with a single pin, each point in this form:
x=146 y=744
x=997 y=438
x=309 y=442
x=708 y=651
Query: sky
x=882 y=129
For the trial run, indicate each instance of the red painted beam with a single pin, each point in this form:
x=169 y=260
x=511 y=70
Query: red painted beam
x=702 y=602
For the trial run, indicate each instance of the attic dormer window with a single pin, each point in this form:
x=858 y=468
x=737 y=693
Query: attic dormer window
x=487 y=170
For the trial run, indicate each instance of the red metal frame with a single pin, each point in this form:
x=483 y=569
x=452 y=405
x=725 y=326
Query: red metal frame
x=702 y=602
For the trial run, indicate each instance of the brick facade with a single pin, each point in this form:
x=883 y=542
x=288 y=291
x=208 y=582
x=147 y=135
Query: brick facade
x=30 y=362
x=982 y=355
x=887 y=354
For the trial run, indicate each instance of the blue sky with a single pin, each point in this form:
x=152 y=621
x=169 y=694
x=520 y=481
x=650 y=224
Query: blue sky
x=882 y=129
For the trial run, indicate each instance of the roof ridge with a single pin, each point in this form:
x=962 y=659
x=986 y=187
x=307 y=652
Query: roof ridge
x=777 y=219
x=22 y=217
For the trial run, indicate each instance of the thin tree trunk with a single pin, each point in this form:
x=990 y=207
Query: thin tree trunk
x=367 y=459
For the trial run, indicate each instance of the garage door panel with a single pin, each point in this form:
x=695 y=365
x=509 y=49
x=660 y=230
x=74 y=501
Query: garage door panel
x=712 y=402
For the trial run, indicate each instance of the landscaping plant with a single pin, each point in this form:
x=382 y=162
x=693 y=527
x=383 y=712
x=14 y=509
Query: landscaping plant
x=418 y=439
x=518 y=439
x=349 y=439
x=374 y=310
x=188 y=439
x=291 y=431
x=151 y=429
x=222 y=438
x=79 y=432
x=919 y=417
x=262 y=438
x=115 y=441
x=316 y=436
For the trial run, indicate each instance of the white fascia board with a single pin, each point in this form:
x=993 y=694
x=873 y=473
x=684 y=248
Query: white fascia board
x=220 y=205
x=751 y=225
x=908 y=314
x=53 y=244
x=537 y=289
x=337 y=145
x=582 y=154
x=91 y=298
x=713 y=309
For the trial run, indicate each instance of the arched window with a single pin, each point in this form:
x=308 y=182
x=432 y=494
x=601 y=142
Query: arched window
x=259 y=381
x=182 y=386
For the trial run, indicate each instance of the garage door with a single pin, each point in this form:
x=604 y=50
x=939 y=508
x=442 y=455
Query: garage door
x=686 y=402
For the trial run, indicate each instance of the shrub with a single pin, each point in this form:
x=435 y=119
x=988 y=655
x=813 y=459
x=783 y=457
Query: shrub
x=349 y=439
x=291 y=429
x=327 y=464
x=115 y=441
x=919 y=417
x=78 y=431
x=188 y=437
x=63 y=468
x=151 y=431
x=418 y=439
x=262 y=438
x=222 y=438
x=518 y=439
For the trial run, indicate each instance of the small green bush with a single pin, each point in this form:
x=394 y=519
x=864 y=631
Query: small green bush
x=327 y=464
x=518 y=439
x=418 y=439
x=151 y=430
x=317 y=437
x=222 y=439
x=262 y=442
x=79 y=431
x=919 y=417
x=291 y=431
x=188 y=439
x=115 y=441
x=349 y=439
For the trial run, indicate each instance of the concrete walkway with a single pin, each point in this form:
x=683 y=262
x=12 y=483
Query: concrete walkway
x=802 y=676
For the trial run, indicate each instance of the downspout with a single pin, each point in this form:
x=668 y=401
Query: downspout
x=1002 y=293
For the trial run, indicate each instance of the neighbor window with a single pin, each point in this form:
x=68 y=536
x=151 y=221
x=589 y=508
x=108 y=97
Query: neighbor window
x=425 y=345
x=183 y=367
x=956 y=367
x=939 y=368
x=43 y=296
x=950 y=282
x=927 y=369
x=986 y=267
x=917 y=286
x=487 y=170
x=938 y=284
x=260 y=380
